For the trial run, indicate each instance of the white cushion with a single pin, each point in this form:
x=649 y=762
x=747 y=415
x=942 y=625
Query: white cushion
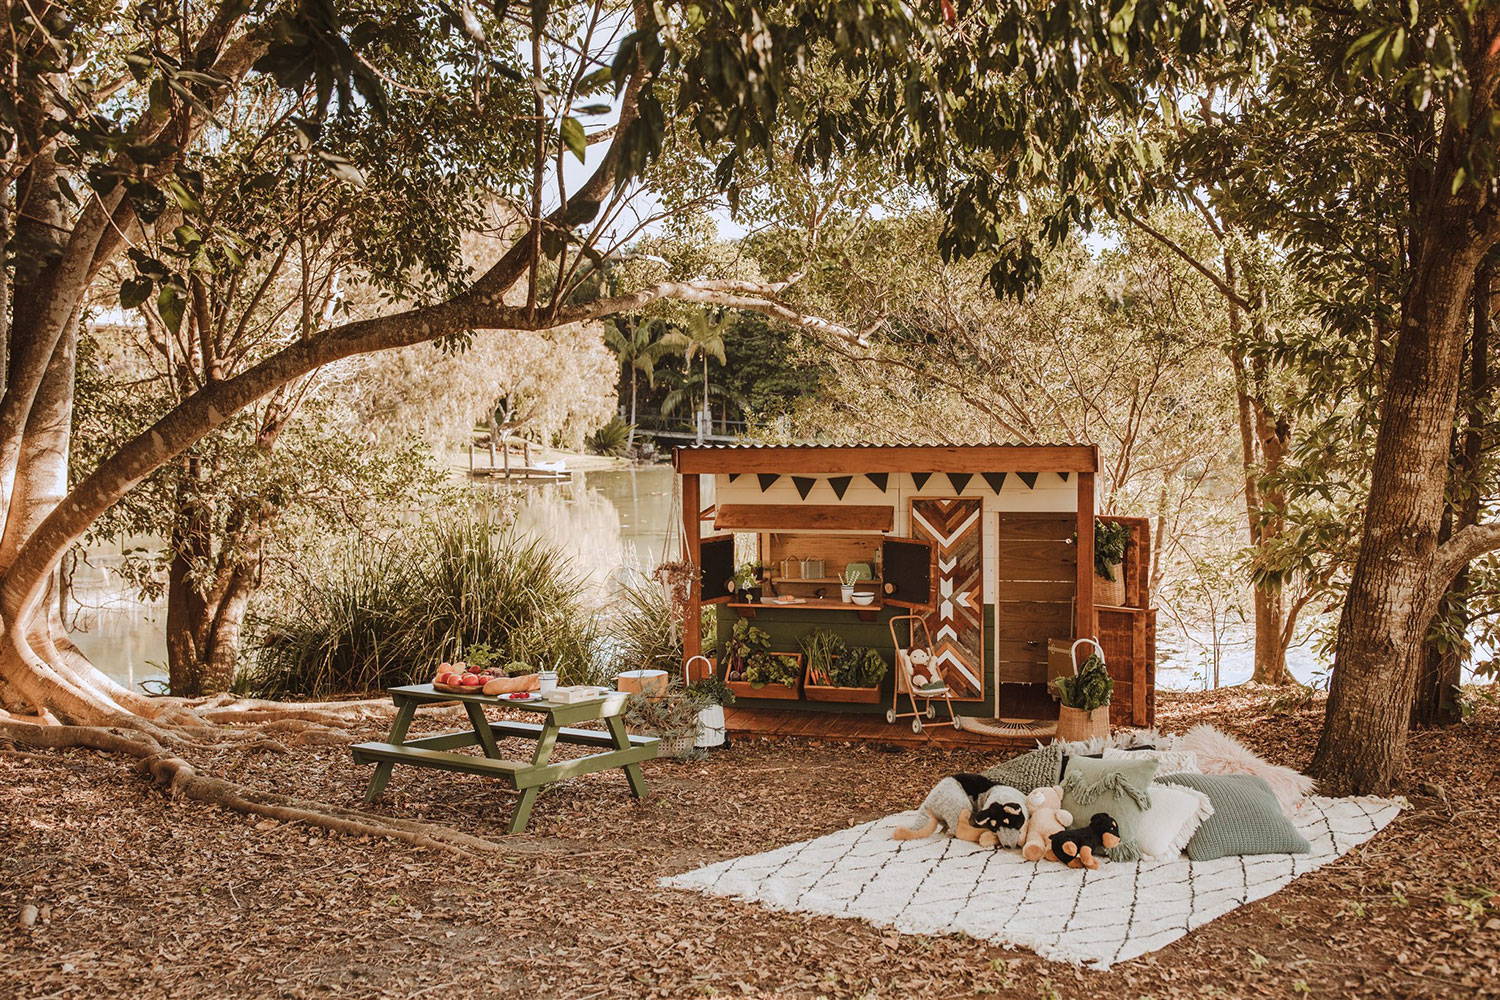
x=1175 y=815
x=1172 y=761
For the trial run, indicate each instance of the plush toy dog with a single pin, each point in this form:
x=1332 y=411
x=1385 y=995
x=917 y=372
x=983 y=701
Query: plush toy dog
x=951 y=806
x=1077 y=847
x=1047 y=817
x=1002 y=810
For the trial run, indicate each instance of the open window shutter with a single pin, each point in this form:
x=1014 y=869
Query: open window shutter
x=716 y=556
x=907 y=567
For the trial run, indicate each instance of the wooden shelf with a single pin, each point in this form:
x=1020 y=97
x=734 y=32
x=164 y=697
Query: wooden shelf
x=822 y=579
x=866 y=612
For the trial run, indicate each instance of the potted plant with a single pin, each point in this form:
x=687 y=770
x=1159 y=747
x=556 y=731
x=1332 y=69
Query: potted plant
x=713 y=696
x=1110 y=540
x=836 y=672
x=1084 y=710
x=747 y=581
x=672 y=718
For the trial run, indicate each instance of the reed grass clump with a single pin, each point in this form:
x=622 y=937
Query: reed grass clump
x=387 y=613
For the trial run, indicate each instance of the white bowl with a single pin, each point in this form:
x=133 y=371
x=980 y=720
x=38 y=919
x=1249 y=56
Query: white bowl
x=864 y=600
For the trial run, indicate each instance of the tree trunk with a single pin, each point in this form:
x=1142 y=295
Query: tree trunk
x=1388 y=607
x=1263 y=440
x=1443 y=656
x=630 y=437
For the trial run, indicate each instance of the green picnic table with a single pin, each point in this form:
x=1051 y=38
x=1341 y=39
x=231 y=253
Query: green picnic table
x=625 y=751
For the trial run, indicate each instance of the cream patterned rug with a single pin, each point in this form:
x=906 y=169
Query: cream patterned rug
x=1094 y=918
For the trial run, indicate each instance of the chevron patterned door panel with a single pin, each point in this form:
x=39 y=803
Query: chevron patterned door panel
x=957 y=621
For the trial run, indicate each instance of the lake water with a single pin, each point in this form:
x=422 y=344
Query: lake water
x=610 y=522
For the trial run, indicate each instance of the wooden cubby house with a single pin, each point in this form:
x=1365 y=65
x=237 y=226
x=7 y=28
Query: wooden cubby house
x=982 y=540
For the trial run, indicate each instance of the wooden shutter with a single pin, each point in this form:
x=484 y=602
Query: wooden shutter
x=906 y=565
x=716 y=557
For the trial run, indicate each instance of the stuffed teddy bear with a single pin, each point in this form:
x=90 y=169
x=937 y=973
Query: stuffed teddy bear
x=1077 y=847
x=1047 y=816
x=920 y=672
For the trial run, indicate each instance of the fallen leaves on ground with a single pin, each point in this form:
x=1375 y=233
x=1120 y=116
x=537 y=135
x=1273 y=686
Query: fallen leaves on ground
x=108 y=889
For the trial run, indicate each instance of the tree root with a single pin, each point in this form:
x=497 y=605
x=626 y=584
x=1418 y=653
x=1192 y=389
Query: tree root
x=181 y=780
x=227 y=708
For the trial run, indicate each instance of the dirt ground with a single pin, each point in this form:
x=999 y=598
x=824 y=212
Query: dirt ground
x=143 y=897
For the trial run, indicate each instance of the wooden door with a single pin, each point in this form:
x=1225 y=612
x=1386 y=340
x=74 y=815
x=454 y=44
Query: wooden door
x=716 y=559
x=956 y=620
x=1035 y=584
x=906 y=571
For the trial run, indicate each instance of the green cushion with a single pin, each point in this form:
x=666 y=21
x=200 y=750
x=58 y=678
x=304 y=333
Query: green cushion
x=1246 y=819
x=1118 y=787
x=1038 y=768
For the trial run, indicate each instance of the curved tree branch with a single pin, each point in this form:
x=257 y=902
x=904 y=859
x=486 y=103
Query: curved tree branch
x=1466 y=545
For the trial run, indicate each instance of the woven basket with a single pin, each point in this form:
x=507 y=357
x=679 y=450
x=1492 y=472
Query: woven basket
x=1074 y=724
x=1110 y=593
x=676 y=746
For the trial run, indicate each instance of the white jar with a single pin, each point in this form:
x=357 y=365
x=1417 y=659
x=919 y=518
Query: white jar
x=547 y=682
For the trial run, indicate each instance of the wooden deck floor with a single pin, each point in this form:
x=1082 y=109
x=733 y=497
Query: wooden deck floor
x=858 y=727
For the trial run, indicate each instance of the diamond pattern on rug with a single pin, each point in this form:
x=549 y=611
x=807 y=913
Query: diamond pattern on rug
x=1095 y=918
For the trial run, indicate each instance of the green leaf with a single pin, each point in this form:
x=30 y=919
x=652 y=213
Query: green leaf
x=170 y=304
x=574 y=138
x=134 y=291
x=184 y=197
x=342 y=167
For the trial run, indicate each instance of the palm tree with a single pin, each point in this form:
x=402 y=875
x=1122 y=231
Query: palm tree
x=636 y=344
x=703 y=339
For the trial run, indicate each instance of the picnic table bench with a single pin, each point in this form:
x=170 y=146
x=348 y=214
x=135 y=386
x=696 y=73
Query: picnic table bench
x=625 y=751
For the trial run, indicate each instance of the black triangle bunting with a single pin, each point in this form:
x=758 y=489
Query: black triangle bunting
x=1029 y=478
x=960 y=480
x=1064 y=476
x=995 y=479
x=733 y=476
x=840 y=485
x=767 y=480
x=920 y=478
x=804 y=484
x=880 y=479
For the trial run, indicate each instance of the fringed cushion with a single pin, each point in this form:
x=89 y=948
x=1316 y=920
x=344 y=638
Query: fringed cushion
x=1120 y=788
x=1175 y=815
x=1171 y=761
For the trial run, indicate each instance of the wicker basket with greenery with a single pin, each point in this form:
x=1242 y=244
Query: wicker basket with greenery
x=1084 y=710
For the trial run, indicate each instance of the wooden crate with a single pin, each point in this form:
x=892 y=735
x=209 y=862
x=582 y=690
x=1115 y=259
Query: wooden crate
x=827 y=692
x=779 y=692
x=1123 y=637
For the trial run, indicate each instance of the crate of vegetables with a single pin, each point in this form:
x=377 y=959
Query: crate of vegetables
x=838 y=672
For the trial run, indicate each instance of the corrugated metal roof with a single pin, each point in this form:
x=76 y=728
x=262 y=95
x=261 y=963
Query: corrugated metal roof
x=760 y=446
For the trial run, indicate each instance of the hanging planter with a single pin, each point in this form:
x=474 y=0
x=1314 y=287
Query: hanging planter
x=1110 y=541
